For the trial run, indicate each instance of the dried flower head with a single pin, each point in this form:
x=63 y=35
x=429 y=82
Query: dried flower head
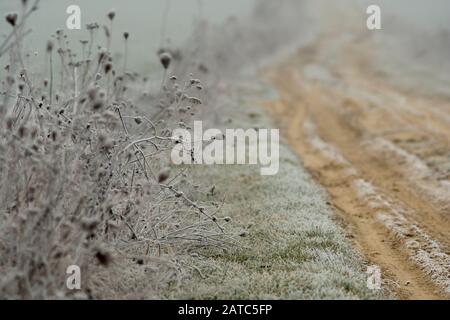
x=103 y=257
x=163 y=175
x=23 y=131
x=126 y=35
x=49 y=46
x=111 y=14
x=11 y=18
x=108 y=67
x=165 y=59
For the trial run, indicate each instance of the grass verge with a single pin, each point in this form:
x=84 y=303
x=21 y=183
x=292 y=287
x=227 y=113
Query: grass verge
x=290 y=246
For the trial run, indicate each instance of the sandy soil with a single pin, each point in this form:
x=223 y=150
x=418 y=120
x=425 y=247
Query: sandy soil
x=381 y=152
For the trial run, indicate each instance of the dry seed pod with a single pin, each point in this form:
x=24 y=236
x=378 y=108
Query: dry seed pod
x=11 y=18
x=163 y=175
x=108 y=67
x=165 y=59
x=103 y=257
x=111 y=14
x=49 y=46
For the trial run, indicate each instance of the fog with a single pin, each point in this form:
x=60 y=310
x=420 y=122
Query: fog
x=143 y=19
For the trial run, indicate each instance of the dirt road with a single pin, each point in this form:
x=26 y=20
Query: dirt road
x=381 y=152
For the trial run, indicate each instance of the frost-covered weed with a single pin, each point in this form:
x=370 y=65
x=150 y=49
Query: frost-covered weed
x=85 y=176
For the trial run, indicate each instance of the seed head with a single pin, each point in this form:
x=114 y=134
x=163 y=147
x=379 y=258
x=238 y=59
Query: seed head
x=49 y=46
x=11 y=18
x=108 y=67
x=163 y=175
x=111 y=14
x=23 y=131
x=98 y=104
x=126 y=35
x=103 y=257
x=165 y=59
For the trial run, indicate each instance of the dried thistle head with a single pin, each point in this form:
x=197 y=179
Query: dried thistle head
x=11 y=18
x=103 y=256
x=163 y=175
x=165 y=59
x=111 y=14
x=23 y=132
x=108 y=68
x=126 y=35
x=98 y=104
x=49 y=46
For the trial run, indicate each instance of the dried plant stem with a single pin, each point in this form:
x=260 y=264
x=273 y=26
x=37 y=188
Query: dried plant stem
x=109 y=38
x=75 y=95
x=125 y=59
x=163 y=82
x=50 y=88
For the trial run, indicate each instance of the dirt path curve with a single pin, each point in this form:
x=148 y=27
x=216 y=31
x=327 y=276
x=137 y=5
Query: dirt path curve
x=383 y=155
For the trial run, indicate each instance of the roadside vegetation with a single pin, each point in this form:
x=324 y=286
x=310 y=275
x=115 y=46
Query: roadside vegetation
x=85 y=176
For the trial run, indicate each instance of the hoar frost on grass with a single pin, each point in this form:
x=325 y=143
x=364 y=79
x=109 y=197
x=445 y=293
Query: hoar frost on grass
x=290 y=248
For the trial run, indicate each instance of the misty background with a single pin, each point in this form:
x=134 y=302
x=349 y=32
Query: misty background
x=143 y=19
x=416 y=33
